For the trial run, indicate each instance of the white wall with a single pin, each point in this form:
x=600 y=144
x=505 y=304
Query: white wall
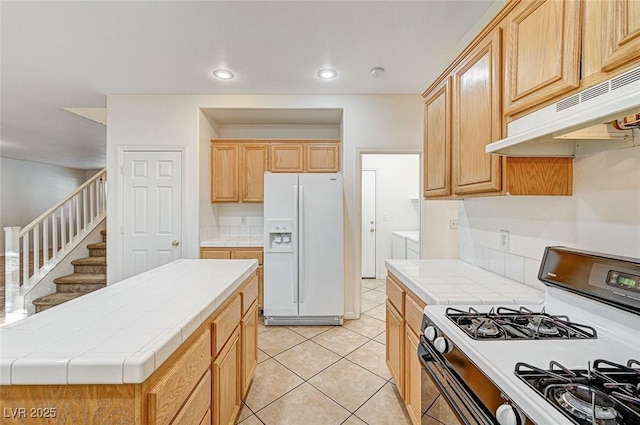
x=30 y=188
x=279 y=132
x=603 y=215
x=369 y=121
x=398 y=181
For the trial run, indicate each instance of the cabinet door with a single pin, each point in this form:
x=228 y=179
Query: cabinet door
x=622 y=33
x=254 y=164
x=412 y=377
x=322 y=158
x=477 y=120
x=226 y=382
x=543 y=52
x=224 y=173
x=249 y=332
x=286 y=158
x=437 y=141
x=215 y=254
x=394 y=348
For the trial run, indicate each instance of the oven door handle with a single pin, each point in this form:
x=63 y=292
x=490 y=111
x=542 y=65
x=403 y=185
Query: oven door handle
x=433 y=362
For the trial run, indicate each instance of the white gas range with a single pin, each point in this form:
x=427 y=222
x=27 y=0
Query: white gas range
x=591 y=312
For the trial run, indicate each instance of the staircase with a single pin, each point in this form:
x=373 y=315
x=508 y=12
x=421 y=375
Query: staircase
x=90 y=274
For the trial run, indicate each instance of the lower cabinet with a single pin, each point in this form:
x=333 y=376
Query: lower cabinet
x=249 y=328
x=226 y=381
x=404 y=317
x=395 y=346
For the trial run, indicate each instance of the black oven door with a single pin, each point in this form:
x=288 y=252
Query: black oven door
x=467 y=407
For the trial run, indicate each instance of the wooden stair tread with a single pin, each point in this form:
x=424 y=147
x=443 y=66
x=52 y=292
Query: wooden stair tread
x=90 y=261
x=56 y=298
x=82 y=278
x=97 y=245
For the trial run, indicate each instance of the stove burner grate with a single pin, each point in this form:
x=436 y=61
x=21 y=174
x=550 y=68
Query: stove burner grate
x=607 y=394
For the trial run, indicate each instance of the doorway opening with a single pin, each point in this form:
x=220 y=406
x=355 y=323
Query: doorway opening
x=390 y=210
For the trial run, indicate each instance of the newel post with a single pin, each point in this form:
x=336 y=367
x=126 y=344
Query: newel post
x=13 y=310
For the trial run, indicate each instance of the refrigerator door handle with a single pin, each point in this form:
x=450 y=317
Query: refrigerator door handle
x=294 y=263
x=301 y=255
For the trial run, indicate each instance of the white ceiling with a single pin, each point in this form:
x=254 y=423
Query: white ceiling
x=58 y=54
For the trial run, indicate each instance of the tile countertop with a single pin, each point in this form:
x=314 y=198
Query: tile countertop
x=232 y=241
x=121 y=333
x=457 y=282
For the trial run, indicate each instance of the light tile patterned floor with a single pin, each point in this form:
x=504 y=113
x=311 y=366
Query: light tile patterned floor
x=323 y=375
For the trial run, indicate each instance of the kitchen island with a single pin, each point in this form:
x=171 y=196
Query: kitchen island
x=411 y=286
x=177 y=344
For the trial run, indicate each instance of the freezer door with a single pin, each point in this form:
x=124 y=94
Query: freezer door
x=281 y=268
x=321 y=245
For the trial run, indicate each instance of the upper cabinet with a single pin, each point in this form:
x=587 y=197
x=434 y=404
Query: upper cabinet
x=254 y=162
x=238 y=166
x=437 y=141
x=237 y=171
x=611 y=38
x=225 y=172
x=463 y=114
x=305 y=156
x=477 y=119
x=542 y=52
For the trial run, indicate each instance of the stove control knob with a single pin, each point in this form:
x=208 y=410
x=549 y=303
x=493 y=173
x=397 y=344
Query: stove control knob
x=443 y=345
x=430 y=332
x=508 y=414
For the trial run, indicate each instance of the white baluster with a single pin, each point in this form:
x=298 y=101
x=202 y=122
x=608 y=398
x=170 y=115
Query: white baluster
x=25 y=258
x=45 y=241
x=54 y=233
x=36 y=251
x=12 y=271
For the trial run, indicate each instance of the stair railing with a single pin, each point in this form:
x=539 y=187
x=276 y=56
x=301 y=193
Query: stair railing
x=34 y=250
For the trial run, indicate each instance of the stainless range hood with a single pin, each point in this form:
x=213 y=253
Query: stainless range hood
x=577 y=125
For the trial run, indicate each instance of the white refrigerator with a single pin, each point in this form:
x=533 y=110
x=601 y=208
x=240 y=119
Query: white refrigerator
x=304 y=249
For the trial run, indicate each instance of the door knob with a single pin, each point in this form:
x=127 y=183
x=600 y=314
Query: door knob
x=371 y=222
x=372 y=230
x=175 y=243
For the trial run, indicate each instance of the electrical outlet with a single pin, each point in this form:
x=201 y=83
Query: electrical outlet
x=453 y=223
x=504 y=240
x=243 y=220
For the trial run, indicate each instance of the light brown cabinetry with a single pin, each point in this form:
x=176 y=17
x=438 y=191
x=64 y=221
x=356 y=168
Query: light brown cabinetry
x=543 y=52
x=226 y=381
x=477 y=119
x=244 y=253
x=306 y=156
x=225 y=173
x=610 y=38
x=404 y=317
x=237 y=171
x=395 y=345
x=437 y=141
x=249 y=347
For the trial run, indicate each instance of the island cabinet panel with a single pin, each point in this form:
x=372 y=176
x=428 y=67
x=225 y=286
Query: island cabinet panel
x=67 y=404
x=543 y=52
x=437 y=141
x=198 y=403
x=249 y=347
x=166 y=397
x=477 y=119
x=226 y=382
x=224 y=325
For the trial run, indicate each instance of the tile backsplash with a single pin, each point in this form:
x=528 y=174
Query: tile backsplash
x=235 y=220
x=516 y=267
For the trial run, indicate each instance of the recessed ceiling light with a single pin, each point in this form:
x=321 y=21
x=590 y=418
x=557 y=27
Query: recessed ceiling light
x=327 y=74
x=223 y=74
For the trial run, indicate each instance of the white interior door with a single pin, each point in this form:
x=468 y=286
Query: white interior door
x=152 y=210
x=369 y=223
